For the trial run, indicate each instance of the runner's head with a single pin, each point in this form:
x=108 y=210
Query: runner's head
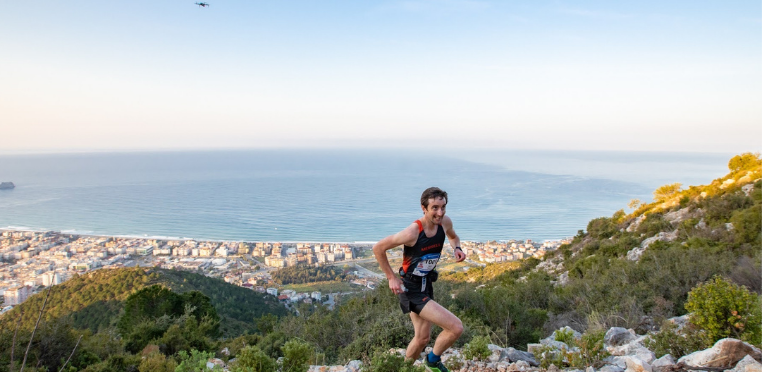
x=432 y=193
x=433 y=203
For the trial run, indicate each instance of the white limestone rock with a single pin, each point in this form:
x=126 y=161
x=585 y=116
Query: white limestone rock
x=354 y=366
x=635 y=223
x=631 y=363
x=618 y=336
x=747 y=364
x=611 y=368
x=675 y=217
x=748 y=188
x=724 y=354
x=634 y=348
x=512 y=355
x=635 y=253
x=663 y=364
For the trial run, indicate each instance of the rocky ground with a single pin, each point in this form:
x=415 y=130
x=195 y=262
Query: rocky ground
x=627 y=354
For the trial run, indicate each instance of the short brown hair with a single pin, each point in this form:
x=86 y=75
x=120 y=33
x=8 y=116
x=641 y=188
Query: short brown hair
x=432 y=193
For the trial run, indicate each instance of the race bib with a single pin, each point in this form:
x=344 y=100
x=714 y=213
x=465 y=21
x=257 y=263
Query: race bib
x=427 y=263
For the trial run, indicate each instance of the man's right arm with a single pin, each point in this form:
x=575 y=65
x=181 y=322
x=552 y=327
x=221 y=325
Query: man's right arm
x=385 y=244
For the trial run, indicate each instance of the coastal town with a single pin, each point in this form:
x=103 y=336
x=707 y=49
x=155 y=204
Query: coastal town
x=33 y=260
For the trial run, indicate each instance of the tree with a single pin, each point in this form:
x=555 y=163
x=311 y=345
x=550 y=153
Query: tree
x=634 y=204
x=253 y=359
x=666 y=191
x=725 y=309
x=744 y=161
x=297 y=355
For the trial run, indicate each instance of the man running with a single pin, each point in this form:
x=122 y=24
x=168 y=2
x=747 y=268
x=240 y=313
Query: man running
x=423 y=241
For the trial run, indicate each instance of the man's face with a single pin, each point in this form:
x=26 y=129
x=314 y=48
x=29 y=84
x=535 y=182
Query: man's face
x=435 y=211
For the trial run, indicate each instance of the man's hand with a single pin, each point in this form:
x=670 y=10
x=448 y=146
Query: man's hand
x=459 y=255
x=395 y=284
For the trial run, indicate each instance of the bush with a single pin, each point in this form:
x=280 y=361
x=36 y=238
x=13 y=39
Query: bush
x=477 y=348
x=253 y=359
x=391 y=362
x=297 y=355
x=156 y=362
x=565 y=335
x=724 y=309
x=591 y=350
x=194 y=362
x=669 y=340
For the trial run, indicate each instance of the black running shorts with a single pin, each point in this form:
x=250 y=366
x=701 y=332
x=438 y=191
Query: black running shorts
x=415 y=299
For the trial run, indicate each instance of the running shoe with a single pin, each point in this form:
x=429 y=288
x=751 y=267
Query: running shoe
x=436 y=367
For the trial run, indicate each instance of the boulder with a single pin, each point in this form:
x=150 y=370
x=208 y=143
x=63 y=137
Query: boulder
x=662 y=236
x=512 y=355
x=663 y=364
x=680 y=321
x=635 y=253
x=634 y=347
x=675 y=217
x=724 y=354
x=354 y=366
x=520 y=366
x=497 y=353
x=533 y=348
x=632 y=363
x=554 y=344
x=215 y=362
x=618 y=336
x=747 y=364
x=748 y=188
x=701 y=224
x=635 y=223
x=611 y=368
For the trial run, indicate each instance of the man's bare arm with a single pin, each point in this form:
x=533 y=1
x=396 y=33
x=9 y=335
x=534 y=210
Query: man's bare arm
x=454 y=239
x=406 y=236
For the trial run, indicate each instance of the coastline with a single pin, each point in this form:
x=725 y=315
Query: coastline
x=201 y=239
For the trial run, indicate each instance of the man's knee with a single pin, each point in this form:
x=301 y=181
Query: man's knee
x=422 y=339
x=457 y=328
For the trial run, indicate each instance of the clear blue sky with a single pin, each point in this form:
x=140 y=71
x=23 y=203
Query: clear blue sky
x=600 y=75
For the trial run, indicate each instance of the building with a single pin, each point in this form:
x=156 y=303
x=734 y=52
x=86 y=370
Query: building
x=17 y=295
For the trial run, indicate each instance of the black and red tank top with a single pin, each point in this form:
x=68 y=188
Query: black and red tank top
x=422 y=257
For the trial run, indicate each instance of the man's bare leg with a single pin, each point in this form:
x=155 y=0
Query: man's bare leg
x=421 y=338
x=452 y=327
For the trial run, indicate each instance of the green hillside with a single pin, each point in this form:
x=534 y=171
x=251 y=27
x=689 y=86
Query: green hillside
x=604 y=278
x=95 y=300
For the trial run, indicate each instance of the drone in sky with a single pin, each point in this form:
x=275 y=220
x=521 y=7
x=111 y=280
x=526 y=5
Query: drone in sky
x=202 y=5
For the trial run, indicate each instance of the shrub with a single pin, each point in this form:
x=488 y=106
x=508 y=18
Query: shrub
x=253 y=359
x=156 y=362
x=724 y=309
x=591 y=350
x=296 y=355
x=602 y=227
x=194 y=362
x=477 y=348
x=669 y=340
x=549 y=355
x=391 y=362
x=584 y=352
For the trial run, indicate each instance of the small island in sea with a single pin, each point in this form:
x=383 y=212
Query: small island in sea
x=6 y=185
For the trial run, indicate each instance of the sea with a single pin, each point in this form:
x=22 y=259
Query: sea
x=333 y=195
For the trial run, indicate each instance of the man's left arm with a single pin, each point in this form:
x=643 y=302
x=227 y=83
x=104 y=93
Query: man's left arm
x=454 y=239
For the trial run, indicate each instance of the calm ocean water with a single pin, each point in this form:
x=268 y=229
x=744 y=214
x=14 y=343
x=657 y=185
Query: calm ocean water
x=286 y=195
